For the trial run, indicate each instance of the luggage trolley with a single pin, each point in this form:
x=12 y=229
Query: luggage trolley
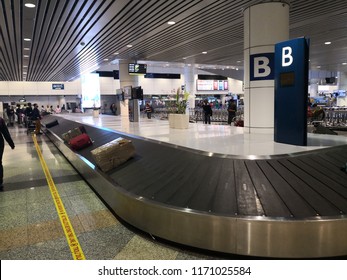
x=30 y=125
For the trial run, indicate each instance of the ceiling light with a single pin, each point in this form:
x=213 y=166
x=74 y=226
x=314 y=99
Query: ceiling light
x=344 y=63
x=116 y=53
x=204 y=52
x=27 y=39
x=327 y=43
x=24 y=66
x=129 y=46
x=106 y=59
x=26 y=49
x=318 y=66
x=29 y=5
x=26 y=56
x=171 y=22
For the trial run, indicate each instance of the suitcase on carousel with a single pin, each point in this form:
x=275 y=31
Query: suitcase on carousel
x=80 y=142
x=113 y=154
x=52 y=123
x=67 y=136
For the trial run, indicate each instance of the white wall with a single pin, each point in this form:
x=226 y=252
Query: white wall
x=38 y=88
x=108 y=86
x=160 y=86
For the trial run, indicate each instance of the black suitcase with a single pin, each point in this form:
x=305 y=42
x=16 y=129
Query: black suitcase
x=51 y=124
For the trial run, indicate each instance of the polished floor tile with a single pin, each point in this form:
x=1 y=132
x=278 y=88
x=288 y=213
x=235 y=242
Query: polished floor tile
x=139 y=248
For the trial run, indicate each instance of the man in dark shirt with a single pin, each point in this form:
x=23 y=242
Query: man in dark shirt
x=231 y=110
x=36 y=116
x=4 y=134
x=207 y=112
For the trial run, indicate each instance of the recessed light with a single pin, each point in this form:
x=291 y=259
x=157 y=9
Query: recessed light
x=116 y=53
x=24 y=73
x=327 y=43
x=26 y=49
x=25 y=55
x=344 y=63
x=318 y=66
x=204 y=52
x=24 y=66
x=29 y=5
x=106 y=59
x=171 y=22
x=27 y=39
x=129 y=46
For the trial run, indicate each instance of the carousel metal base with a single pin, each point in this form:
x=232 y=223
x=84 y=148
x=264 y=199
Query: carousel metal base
x=288 y=206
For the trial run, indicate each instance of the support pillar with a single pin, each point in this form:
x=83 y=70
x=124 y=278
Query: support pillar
x=265 y=24
x=190 y=77
x=126 y=80
x=313 y=88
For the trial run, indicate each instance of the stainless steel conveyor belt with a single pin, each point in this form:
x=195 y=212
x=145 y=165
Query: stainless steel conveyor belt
x=288 y=206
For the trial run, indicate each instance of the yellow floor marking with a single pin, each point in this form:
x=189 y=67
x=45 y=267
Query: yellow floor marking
x=70 y=235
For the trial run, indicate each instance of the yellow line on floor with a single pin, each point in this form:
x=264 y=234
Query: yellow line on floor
x=70 y=235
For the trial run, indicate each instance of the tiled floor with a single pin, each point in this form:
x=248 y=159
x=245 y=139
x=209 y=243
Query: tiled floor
x=29 y=223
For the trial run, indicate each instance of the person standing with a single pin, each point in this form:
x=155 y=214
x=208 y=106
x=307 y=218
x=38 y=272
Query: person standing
x=113 y=109
x=231 y=111
x=36 y=117
x=19 y=113
x=10 y=115
x=207 y=112
x=4 y=134
x=148 y=110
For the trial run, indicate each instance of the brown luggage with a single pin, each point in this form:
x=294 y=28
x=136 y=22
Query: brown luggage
x=113 y=154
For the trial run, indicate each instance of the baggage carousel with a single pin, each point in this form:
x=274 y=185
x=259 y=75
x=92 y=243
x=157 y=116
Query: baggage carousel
x=282 y=206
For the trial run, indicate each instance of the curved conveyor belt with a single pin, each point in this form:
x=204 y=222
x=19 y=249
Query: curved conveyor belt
x=291 y=206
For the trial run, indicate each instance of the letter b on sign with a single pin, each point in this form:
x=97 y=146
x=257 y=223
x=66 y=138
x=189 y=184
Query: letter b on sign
x=262 y=66
x=287 y=58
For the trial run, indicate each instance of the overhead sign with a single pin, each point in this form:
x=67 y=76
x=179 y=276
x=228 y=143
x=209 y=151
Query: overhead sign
x=58 y=86
x=211 y=85
x=261 y=66
x=291 y=83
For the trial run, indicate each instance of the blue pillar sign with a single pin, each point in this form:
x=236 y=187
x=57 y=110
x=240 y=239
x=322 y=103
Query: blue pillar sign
x=291 y=91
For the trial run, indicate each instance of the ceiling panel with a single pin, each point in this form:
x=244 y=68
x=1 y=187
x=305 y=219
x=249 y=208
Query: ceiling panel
x=72 y=37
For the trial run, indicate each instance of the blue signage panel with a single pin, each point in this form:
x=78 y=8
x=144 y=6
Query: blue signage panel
x=291 y=86
x=261 y=66
x=58 y=86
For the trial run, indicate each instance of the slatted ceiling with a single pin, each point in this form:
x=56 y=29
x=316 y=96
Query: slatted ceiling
x=108 y=26
x=87 y=15
x=6 y=57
